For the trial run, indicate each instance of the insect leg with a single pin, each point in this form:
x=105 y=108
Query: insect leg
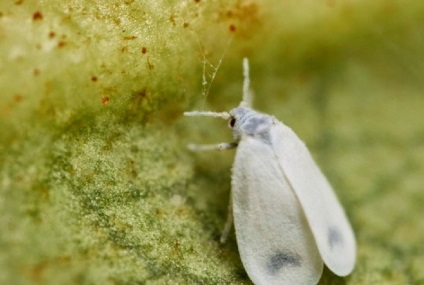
x=207 y=147
x=229 y=222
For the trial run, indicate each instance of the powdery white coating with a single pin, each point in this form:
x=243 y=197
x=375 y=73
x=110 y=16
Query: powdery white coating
x=274 y=240
x=283 y=162
x=287 y=218
x=326 y=217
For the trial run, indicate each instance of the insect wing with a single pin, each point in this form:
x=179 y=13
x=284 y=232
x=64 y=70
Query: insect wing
x=325 y=215
x=275 y=242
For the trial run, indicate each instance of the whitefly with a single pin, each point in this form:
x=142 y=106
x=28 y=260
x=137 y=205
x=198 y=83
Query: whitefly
x=287 y=218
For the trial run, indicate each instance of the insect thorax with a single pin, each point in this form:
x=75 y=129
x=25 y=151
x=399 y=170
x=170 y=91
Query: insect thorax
x=251 y=123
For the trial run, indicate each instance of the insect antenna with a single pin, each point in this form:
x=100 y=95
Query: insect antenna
x=223 y=115
x=247 y=93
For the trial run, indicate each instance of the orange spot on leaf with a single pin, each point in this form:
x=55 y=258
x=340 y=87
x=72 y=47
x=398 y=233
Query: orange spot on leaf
x=37 y=16
x=18 y=98
x=105 y=100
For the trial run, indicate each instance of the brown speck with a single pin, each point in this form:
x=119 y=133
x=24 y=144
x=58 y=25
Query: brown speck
x=18 y=98
x=105 y=100
x=37 y=16
x=19 y=2
x=248 y=14
x=141 y=95
x=94 y=78
x=196 y=1
x=1 y=14
x=159 y=213
x=185 y=25
x=130 y=38
x=52 y=35
x=36 y=72
x=61 y=44
x=143 y=50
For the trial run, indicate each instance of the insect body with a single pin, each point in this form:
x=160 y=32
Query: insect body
x=287 y=218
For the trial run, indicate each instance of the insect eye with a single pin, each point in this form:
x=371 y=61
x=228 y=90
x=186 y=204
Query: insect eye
x=232 y=122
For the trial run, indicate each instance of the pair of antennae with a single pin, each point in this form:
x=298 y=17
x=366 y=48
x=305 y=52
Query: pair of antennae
x=246 y=102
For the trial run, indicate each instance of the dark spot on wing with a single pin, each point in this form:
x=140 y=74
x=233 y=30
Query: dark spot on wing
x=282 y=259
x=334 y=237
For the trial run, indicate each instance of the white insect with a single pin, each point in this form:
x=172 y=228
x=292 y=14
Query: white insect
x=287 y=218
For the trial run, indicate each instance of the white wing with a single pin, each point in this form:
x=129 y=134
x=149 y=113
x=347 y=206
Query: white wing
x=325 y=215
x=275 y=242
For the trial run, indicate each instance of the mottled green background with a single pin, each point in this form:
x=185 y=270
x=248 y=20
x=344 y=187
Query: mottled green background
x=96 y=185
